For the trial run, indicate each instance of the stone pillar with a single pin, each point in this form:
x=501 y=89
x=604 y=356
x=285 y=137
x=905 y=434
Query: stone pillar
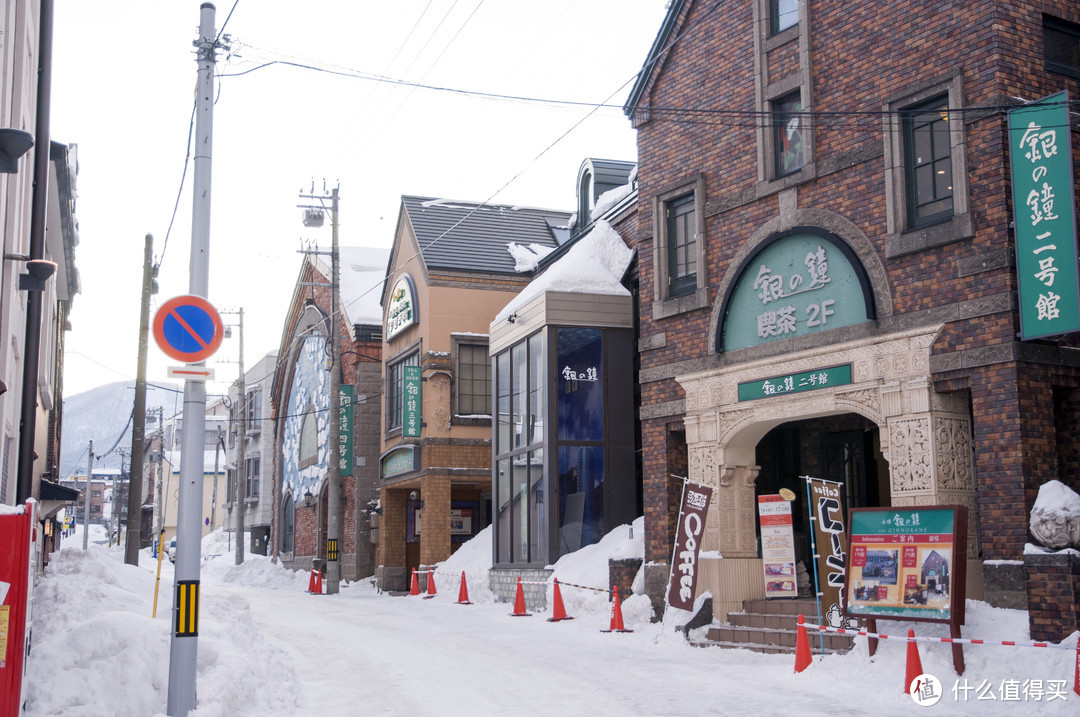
x=435 y=520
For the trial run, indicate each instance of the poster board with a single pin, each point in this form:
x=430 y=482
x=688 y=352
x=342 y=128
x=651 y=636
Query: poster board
x=908 y=564
x=777 y=547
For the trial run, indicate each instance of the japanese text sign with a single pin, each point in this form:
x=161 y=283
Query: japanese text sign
x=1040 y=147
x=682 y=585
x=411 y=402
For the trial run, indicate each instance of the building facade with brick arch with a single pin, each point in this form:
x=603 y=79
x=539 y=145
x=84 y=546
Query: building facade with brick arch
x=830 y=283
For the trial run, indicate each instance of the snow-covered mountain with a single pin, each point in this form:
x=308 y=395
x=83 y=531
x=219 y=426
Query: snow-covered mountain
x=102 y=415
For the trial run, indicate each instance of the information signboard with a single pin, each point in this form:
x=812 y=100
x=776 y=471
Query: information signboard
x=908 y=563
x=411 y=397
x=777 y=546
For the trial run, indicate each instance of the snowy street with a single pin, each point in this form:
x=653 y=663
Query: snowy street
x=266 y=647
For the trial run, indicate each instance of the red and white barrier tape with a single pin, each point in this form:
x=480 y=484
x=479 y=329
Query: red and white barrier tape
x=953 y=640
x=572 y=585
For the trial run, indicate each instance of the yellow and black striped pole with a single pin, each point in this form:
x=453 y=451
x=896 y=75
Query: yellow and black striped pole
x=187 y=608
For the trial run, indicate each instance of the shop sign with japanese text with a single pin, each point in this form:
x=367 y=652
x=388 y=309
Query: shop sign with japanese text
x=795 y=382
x=682 y=585
x=1040 y=157
x=411 y=402
x=401 y=309
x=345 y=434
x=907 y=563
x=801 y=283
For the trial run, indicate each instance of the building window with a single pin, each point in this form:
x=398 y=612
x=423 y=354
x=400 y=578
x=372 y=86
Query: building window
x=521 y=523
x=682 y=249
x=788 y=125
x=251 y=482
x=288 y=516
x=1061 y=46
x=309 y=438
x=473 y=386
x=928 y=160
x=783 y=14
x=926 y=185
x=679 y=249
x=253 y=409
x=395 y=383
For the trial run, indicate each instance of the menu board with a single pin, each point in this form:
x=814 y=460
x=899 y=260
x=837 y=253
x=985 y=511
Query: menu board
x=777 y=546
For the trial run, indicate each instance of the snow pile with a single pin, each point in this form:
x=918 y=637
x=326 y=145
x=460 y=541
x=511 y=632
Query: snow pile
x=595 y=264
x=1055 y=517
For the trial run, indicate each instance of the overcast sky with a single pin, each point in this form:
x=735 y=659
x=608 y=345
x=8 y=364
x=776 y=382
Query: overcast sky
x=123 y=81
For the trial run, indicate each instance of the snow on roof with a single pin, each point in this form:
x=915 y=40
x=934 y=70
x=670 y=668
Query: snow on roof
x=595 y=264
x=527 y=256
x=363 y=270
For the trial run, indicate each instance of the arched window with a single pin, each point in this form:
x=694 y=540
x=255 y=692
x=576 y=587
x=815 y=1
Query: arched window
x=309 y=439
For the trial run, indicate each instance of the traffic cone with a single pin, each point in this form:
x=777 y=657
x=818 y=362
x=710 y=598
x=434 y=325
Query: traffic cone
x=318 y=582
x=415 y=588
x=802 y=648
x=430 y=585
x=616 y=613
x=914 y=664
x=558 y=612
x=519 y=602
x=311 y=581
x=463 y=592
x=1076 y=679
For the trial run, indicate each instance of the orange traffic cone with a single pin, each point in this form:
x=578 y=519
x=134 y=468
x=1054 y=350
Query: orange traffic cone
x=914 y=664
x=1076 y=678
x=463 y=592
x=802 y=648
x=558 y=612
x=616 y=613
x=318 y=582
x=519 y=602
x=430 y=585
x=415 y=588
x=311 y=581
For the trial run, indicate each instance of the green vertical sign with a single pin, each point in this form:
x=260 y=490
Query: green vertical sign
x=1040 y=154
x=345 y=434
x=411 y=402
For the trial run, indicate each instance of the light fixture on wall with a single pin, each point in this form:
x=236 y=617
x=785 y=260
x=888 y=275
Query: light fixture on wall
x=309 y=500
x=415 y=498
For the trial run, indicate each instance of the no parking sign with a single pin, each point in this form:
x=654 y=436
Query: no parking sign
x=188 y=328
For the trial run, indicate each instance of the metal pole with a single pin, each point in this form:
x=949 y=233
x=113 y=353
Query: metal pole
x=336 y=506
x=241 y=455
x=219 y=446
x=24 y=487
x=138 y=429
x=185 y=630
x=86 y=498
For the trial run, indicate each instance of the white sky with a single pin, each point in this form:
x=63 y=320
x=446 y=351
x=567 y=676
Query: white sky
x=267 y=649
x=123 y=81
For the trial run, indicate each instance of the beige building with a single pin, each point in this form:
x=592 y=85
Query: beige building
x=451 y=270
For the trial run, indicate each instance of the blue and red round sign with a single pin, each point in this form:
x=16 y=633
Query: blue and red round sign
x=188 y=328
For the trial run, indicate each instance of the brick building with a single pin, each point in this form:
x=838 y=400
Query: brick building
x=820 y=189
x=300 y=396
x=450 y=272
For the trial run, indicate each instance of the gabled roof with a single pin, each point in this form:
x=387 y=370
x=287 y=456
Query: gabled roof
x=470 y=236
x=655 y=54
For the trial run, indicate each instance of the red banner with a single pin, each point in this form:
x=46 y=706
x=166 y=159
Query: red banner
x=682 y=585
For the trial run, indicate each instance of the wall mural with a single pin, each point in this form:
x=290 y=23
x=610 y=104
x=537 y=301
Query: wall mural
x=309 y=398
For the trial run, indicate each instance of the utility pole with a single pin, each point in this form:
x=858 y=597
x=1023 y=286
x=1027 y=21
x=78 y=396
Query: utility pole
x=183 y=648
x=241 y=453
x=86 y=498
x=335 y=502
x=138 y=429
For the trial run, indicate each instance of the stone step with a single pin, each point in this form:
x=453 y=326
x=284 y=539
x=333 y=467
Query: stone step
x=799 y=606
x=755 y=647
x=777 y=637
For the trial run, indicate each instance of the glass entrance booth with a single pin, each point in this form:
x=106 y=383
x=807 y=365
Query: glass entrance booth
x=563 y=445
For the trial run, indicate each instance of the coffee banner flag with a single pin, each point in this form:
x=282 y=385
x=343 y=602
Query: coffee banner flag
x=682 y=585
x=826 y=502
